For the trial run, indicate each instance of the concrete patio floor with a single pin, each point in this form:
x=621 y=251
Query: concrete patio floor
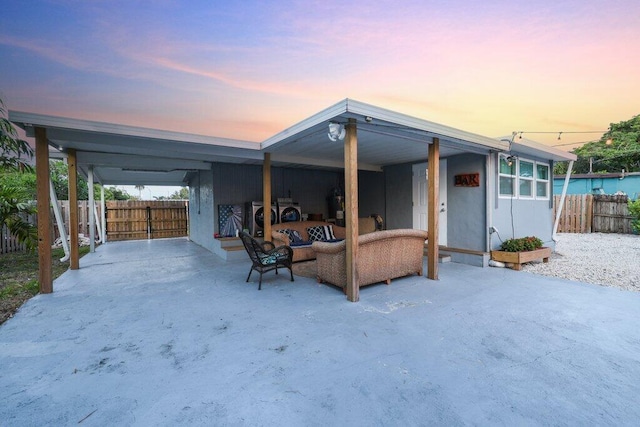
x=164 y=333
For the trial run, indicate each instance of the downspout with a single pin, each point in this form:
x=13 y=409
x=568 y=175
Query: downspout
x=554 y=235
x=59 y=222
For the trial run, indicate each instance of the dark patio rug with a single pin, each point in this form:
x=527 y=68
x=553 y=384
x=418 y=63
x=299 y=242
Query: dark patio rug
x=305 y=269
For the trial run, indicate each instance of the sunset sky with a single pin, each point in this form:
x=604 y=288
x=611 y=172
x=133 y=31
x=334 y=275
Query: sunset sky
x=249 y=69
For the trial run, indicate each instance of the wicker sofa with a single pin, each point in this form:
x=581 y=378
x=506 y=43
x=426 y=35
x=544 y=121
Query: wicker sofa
x=382 y=256
x=304 y=252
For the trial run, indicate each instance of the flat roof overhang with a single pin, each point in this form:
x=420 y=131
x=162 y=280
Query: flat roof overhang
x=121 y=154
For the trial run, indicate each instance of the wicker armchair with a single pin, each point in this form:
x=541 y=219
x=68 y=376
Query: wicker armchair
x=266 y=256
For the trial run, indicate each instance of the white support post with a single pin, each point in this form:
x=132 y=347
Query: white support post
x=59 y=221
x=567 y=177
x=99 y=227
x=103 y=213
x=92 y=218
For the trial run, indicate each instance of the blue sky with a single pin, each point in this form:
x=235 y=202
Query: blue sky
x=249 y=69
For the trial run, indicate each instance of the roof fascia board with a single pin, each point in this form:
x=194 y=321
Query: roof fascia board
x=327 y=114
x=542 y=150
x=357 y=108
x=401 y=119
x=27 y=120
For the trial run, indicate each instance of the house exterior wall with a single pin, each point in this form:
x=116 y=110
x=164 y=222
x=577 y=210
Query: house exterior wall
x=229 y=183
x=467 y=206
x=388 y=193
x=398 y=196
x=514 y=217
x=201 y=209
x=371 y=193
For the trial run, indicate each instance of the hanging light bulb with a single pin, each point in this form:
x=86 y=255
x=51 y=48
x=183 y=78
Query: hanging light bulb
x=559 y=136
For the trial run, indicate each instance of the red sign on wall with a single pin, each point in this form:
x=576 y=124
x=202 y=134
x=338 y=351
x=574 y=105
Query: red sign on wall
x=467 y=180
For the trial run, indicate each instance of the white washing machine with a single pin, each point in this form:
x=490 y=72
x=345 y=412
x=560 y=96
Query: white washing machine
x=257 y=218
x=288 y=211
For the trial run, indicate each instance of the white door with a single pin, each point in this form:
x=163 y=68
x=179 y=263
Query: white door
x=420 y=205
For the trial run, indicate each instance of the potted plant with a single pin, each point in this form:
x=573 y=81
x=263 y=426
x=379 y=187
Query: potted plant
x=520 y=250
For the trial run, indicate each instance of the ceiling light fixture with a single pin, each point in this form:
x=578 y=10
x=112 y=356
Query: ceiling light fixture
x=336 y=131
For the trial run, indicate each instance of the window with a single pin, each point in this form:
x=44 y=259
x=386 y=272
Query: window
x=521 y=178
x=542 y=181
x=525 y=179
x=507 y=176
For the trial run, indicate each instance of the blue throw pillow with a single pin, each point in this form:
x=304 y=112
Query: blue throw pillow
x=293 y=235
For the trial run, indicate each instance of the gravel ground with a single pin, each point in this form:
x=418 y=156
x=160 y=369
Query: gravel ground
x=598 y=258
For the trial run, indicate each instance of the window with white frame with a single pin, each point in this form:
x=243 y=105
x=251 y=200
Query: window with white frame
x=507 y=176
x=542 y=181
x=521 y=178
x=525 y=179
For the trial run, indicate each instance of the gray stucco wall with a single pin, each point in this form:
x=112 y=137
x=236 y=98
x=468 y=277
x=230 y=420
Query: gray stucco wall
x=239 y=184
x=371 y=193
x=201 y=209
x=466 y=205
x=388 y=193
x=520 y=217
x=399 y=197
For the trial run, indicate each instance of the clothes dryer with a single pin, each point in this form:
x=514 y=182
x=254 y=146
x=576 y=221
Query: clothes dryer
x=257 y=218
x=288 y=211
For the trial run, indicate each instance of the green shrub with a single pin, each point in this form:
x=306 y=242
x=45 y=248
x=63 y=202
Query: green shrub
x=521 y=244
x=634 y=210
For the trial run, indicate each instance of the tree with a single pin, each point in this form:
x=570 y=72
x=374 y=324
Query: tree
x=113 y=193
x=15 y=154
x=182 y=194
x=140 y=188
x=619 y=148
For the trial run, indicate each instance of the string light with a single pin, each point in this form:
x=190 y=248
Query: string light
x=520 y=132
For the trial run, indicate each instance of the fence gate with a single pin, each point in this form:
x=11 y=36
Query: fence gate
x=576 y=216
x=136 y=220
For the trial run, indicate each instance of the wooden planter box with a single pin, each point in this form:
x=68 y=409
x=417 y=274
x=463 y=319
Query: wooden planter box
x=518 y=258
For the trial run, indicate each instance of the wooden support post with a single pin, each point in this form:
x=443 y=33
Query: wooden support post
x=351 y=209
x=44 y=214
x=74 y=260
x=266 y=195
x=433 y=175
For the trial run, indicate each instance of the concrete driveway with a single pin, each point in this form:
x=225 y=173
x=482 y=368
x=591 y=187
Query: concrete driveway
x=164 y=333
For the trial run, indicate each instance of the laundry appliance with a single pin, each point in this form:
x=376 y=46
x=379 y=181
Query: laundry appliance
x=288 y=211
x=257 y=218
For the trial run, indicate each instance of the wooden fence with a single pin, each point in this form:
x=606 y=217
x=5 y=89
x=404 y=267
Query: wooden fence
x=126 y=220
x=134 y=220
x=586 y=213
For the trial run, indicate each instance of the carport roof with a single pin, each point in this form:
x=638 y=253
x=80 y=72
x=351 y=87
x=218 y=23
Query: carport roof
x=123 y=154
